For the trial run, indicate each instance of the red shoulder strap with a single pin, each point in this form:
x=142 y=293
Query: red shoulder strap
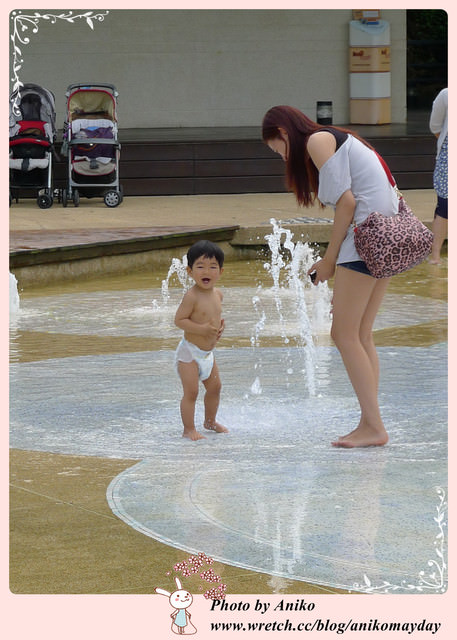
x=386 y=169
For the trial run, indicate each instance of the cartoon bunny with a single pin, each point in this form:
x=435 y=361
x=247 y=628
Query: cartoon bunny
x=180 y=600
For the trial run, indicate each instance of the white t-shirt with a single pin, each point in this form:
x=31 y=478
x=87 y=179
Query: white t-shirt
x=357 y=168
x=438 y=118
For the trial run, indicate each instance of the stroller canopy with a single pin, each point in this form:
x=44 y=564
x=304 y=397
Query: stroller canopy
x=32 y=102
x=93 y=101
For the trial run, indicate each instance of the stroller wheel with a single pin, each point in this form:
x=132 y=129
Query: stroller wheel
x=64 y=198
x=112 y=198
x=76 y=197
x=44 y=201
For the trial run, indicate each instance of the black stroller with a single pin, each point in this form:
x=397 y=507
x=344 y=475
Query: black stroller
x=90 y=141
x=32 y=136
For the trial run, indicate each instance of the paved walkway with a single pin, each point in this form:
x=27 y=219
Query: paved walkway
x=137 y=216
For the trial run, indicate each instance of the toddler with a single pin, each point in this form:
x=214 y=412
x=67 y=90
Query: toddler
x=200 y=317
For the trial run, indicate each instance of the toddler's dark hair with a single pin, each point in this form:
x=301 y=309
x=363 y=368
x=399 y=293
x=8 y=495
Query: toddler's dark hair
x=206 y=249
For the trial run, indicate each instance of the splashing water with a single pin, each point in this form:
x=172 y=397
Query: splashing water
x=14 y=296
x=178 y=267
x=260 y=325
x=290 y=279
x=299 y=308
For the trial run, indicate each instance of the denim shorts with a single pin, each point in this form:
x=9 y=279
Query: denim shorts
x=441 y=208
x=356 y=265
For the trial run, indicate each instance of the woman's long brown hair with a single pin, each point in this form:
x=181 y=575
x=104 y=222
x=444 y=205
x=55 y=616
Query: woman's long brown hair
x=302 y=175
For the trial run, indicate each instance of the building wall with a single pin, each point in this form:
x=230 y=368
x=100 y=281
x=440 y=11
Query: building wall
x=205 y=68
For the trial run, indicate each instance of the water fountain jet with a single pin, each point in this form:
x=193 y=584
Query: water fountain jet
x=294 y=273
x=14 y=296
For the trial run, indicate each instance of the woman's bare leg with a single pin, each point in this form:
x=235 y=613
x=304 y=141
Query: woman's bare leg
x=356 y=301
x=366 y=334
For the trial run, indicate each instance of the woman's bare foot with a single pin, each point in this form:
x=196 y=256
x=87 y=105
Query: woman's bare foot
x=215 y=426
x=363 y=436
x=354 y=431
x=193 y=434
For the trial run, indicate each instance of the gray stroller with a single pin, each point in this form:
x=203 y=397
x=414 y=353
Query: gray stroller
x=32 y=135
x=90 y=142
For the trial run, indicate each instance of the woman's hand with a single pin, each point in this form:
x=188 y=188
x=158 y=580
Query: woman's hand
x=324 y=270
x=344 y=214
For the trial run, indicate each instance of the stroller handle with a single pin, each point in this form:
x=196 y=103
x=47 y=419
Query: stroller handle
x=89 y=85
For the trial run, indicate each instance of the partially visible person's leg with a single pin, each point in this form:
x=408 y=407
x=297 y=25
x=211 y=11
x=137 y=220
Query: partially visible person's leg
x=439 y=230
x=356 y=300
x=440 y=184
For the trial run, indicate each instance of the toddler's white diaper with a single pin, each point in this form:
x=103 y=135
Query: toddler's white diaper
x=188 y=352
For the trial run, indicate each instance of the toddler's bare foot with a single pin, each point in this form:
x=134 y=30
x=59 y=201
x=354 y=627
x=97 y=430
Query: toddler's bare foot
x=193 y=435
x=215 y=426
x=363 y=436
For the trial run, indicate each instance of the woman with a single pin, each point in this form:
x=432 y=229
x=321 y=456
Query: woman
x=438 y=126
x=337 y=168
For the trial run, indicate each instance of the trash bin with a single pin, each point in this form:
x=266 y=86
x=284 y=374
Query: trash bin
x=369 y=72
x=324 y=112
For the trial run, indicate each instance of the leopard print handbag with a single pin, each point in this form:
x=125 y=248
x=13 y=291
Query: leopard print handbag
x=391 y=245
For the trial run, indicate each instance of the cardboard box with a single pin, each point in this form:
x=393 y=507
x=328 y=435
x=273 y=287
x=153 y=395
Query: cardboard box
x=366 y=15
x=370 y=85
x=369 y=35
x=369 y=59
x=367 y=111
